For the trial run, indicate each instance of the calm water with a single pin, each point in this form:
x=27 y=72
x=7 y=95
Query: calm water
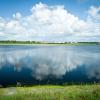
x=49 y=64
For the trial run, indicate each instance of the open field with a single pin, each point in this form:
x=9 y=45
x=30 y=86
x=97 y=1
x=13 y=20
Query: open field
x=47 y=92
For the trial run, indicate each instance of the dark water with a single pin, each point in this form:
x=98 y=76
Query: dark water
x=49 y=64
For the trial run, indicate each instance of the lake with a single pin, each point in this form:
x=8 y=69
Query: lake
x=29 y=65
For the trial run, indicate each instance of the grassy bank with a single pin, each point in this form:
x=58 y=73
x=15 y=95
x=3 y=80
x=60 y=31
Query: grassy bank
x=72 y=92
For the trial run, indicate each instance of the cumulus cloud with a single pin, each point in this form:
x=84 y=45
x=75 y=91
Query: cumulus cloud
x=51 y=23
x=94 y=12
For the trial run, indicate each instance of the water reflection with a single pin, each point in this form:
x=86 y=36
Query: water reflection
x=51 y=61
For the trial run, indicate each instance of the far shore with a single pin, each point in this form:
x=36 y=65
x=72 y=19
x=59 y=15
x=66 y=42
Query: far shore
x=47 y=44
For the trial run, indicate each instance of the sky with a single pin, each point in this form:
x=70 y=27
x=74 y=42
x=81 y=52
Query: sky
x=50 y=20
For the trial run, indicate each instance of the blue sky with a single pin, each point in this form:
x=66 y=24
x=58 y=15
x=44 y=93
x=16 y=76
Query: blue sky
x=85 y=13
x=77 y=7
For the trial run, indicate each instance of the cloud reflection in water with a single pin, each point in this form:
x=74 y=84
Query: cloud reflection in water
x=55 y=61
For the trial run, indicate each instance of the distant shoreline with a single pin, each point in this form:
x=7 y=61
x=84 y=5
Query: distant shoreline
x=35 y=43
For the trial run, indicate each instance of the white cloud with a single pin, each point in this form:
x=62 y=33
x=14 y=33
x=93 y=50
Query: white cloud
x=17 y=15
x=51 y=23
x=94 y=12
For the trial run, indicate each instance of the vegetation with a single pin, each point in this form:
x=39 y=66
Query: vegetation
x=47 y=92
x=13 y=42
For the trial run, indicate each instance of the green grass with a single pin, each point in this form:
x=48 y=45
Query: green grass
x=47 y=92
